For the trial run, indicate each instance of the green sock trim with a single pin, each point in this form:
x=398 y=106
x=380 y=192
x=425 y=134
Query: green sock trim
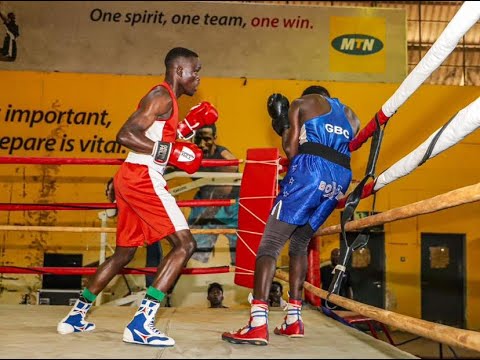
x=88 y=295
x=155 y=293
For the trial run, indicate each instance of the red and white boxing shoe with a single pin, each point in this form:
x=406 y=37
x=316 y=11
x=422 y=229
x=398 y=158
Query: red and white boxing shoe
x=292 y=325
x=256 y=331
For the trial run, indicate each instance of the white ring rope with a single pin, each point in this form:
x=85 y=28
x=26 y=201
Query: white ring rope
x=252 y=213
x=465 y=122
x=247 y=271
x=464 y=19
x=264 y=162
x=251 y=232
x=246 y=245
x=256 y=197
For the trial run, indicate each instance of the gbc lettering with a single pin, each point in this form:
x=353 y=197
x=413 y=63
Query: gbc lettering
x=337 y=130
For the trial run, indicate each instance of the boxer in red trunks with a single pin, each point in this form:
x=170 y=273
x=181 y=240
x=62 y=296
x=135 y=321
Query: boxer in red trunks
x=147 y=212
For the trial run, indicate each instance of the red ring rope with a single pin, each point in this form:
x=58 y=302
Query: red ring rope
x=99 y=206
x=76 y=161
x=92 y=270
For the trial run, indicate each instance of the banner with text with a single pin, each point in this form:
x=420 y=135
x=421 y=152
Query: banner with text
x=233 y=40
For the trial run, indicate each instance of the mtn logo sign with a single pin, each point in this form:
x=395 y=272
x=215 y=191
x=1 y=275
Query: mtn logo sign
x=357 y=44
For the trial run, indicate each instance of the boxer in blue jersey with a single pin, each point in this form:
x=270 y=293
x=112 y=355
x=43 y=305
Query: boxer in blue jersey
x=316 y=130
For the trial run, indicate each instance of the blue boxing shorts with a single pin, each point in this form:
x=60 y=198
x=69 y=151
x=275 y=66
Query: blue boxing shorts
x=310 y=190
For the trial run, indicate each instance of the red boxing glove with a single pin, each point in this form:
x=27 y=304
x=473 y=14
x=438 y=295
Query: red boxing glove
x=183 y=155
x=198 y=116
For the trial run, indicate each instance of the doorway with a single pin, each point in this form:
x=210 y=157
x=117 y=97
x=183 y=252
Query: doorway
x=443 y=278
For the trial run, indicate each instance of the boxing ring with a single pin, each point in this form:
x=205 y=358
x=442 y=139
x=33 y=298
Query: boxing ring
x=38 y=322
x=198 y=331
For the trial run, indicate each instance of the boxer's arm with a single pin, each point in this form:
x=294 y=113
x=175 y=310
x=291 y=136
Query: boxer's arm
x=291 y=135
x=353 y=119
x=156 y=104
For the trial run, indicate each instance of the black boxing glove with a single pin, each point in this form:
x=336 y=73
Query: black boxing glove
x=277 y=106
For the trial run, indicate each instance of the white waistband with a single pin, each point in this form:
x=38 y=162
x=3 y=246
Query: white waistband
x=143 y=159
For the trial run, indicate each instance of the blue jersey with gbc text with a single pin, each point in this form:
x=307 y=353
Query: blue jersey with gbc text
x=312 y=186
x=332 y=129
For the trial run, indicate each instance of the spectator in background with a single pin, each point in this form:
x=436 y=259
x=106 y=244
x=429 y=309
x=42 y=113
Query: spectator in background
x=9 y=49
x=212 y=217
x=215 y=295
x=326 y=276
x=275 y=297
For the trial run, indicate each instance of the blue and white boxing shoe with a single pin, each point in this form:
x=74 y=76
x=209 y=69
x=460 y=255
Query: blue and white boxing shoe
x=141 y=330
x=75 y=320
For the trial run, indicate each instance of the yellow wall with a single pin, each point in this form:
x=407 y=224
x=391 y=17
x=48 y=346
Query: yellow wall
x=243 y=124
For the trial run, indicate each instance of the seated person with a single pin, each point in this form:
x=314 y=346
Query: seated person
x=213 y=217
x=215 y=295
x=275 y=297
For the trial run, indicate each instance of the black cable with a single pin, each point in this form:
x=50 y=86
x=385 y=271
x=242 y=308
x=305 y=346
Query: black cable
x=128 y=285
x=407 y=341
x=434 y=141
x=351 y=204
x=453 y=352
